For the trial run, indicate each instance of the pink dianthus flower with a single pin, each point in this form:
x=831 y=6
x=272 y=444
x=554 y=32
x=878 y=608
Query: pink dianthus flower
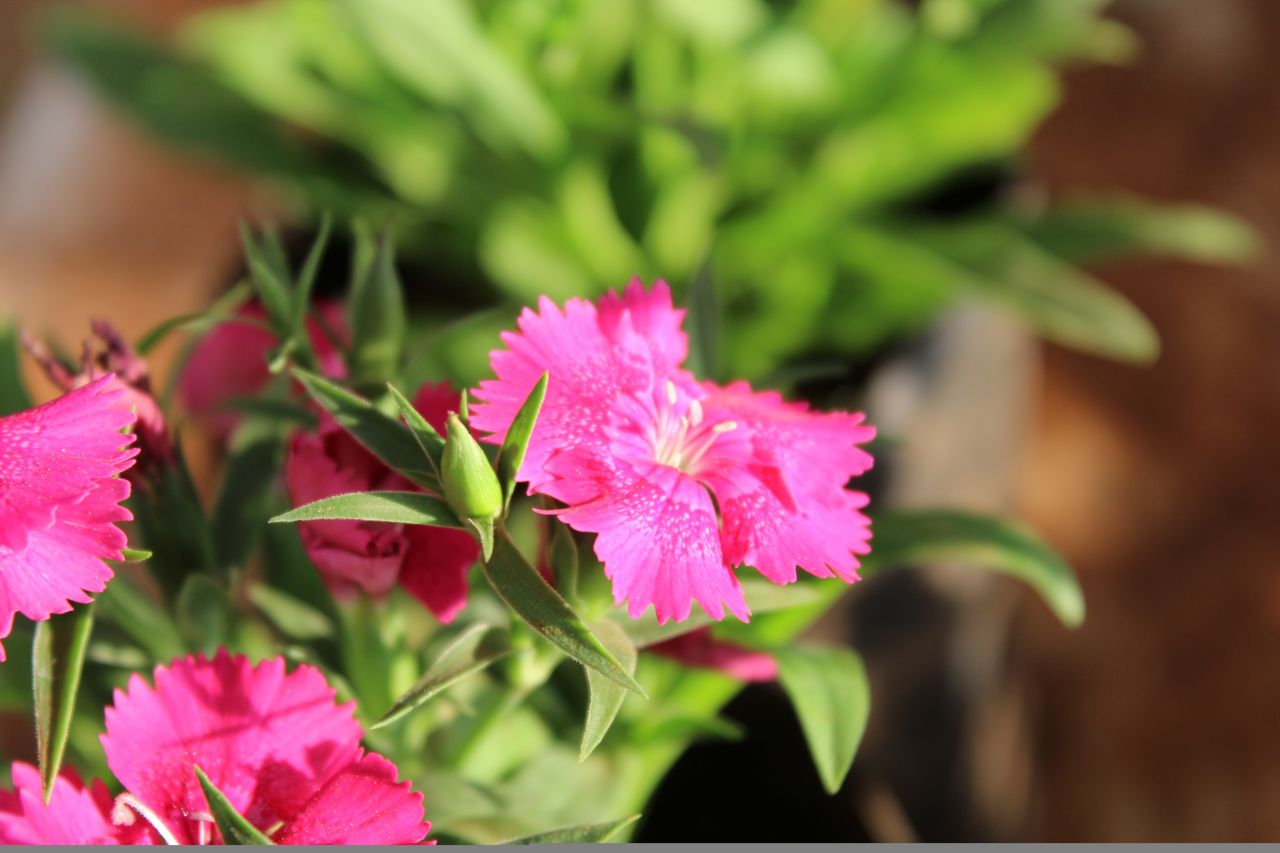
x=75 y=814
x=60 y=500
x=680 y=481
x=278 y=745
x=431 y=563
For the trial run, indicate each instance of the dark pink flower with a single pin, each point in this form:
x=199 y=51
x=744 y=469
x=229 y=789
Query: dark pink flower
x=60 y=500
x=699 y=648
x=680 y=481
x=430 y=562
x=76 y=814
x=285 y=754
x=231 y=360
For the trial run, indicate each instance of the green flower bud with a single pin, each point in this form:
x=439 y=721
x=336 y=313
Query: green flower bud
x=470 y=484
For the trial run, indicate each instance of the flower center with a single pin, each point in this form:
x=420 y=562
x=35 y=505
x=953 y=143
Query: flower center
x=682 y=440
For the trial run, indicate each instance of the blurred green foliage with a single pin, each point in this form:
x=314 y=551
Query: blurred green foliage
x=835 y=171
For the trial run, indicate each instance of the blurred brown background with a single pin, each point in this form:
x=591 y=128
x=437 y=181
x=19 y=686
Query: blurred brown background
x=1157 y=720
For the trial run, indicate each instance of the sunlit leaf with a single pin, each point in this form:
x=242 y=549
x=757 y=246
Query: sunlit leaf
x=606 y=696
x=903 y=537
x=394 y=507
x=474 y=649
x=533 y=600
x=58 y=654
x=514 y=446
x=590 y=833
x=828 y=687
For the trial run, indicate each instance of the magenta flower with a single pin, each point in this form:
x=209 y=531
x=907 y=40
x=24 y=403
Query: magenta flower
x=700 y=649
x=285 y=754
x=76 y=814
x=231 y=361
x=680 y=481
x=430 y=562
x=60 y=500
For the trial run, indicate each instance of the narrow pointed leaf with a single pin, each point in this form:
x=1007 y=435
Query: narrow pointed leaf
x=234 y=827
x=381 y=434
x=133 y=555
x=378 y=324
x=514 y=446
x=588 y=833
x=533 y=600
x=270 y=282
x=606 y=696
x=307 y=275
x=473 y=650
x=13 y=397
x=146 y=622
x=431 y=442
x=935 y=535
x=58 y=654
x=393 y=507
x=221 y=310
x=828 y=688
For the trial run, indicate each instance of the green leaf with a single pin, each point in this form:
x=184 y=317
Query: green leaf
x=294 y=618
x=1058 y=301
x=587 y=833
x=607 y=696
x=378 y=319
x=394 y=507
x=221 y=311
x=270 y=282
x=307 y=276
x=133 y=555
x=934 y=535
x=424 y=433
x=250 y=475
x=234 y=827
x=13 y=397
x=381 y=434
x=474 y=649
x=57 y=663
x=514 y=446
x=203 y=613
x=829 y=690
x=518 y=584
x=1085 y=230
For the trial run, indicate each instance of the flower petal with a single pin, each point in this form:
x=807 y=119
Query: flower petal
x=656 y=535
x=653 y=317
x=75 y=814
x=588 y=369
x=266 y=739
x=435 y=568
x=701 y=649
x=361 y=804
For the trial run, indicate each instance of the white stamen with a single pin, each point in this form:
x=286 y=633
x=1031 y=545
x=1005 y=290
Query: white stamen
x=671 y=392
x=122 y=816
x=725 y=426
x=695 y=413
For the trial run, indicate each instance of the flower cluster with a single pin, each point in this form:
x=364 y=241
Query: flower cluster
x=680 y=480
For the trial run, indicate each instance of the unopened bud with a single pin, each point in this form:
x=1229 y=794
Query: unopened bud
x=470 y=484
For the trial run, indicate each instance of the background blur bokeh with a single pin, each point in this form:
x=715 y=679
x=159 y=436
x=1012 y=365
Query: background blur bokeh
x=829 y=181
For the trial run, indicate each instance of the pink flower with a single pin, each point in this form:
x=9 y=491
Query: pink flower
x=681 y=481
x=231 y=361
x=76 y=814
x=285 y=754
x=430 y=562
x=59 y=500
x=699 y=648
